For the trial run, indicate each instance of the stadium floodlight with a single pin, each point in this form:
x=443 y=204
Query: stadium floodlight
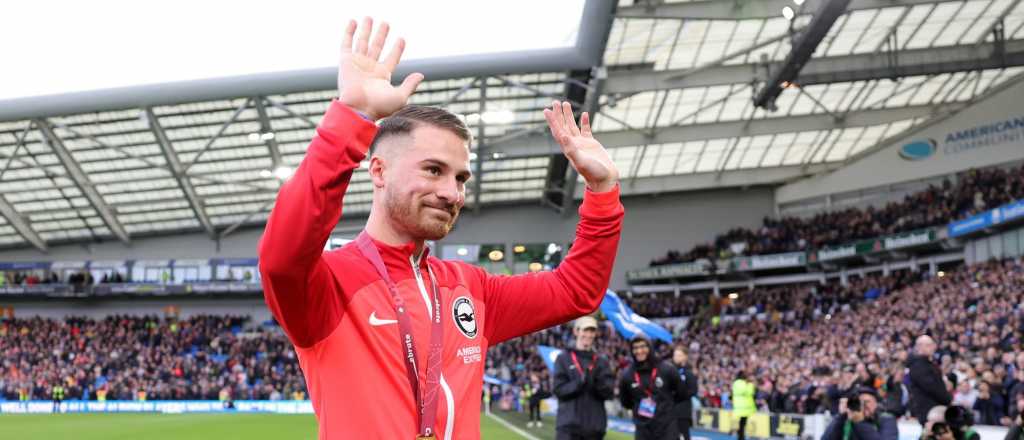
x=462 y=251
x=120 y=54
x=788 y=12
x=499 y=117
x=283 y=172
x=496 y=255
x=734 y=295
x=803 y=47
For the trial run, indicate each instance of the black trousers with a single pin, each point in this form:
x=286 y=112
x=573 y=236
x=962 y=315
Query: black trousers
x=563 y=434
x=534 y=409
x=742 y=434
x=684 y=427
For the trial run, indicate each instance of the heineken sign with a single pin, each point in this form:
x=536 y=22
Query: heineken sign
x=909 y=240
x=836 y=253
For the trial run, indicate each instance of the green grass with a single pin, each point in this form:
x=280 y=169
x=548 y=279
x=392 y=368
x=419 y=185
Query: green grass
x=546 y=433
x=216 y=426
x=157 y=426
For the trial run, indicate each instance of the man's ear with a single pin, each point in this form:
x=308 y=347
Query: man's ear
x=377 y=167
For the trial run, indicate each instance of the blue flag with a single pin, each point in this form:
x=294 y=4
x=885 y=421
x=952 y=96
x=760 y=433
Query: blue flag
x=549 y=354
x=629 y=324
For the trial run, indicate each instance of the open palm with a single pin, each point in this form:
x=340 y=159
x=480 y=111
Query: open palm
x=585 y=153
x=364 y=82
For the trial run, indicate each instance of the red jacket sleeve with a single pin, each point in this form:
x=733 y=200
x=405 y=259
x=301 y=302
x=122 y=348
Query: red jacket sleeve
x=297 y=284
x=521 y=304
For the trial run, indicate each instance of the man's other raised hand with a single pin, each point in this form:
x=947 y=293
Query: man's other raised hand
x=364 y=80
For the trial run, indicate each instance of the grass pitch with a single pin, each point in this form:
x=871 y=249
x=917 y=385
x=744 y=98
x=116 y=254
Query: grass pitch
x=219 y=427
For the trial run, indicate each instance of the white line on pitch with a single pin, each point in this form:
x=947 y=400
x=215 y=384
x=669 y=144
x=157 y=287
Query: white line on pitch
x=508 y=425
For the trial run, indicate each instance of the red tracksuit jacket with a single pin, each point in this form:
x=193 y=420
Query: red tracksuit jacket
x=339 y=315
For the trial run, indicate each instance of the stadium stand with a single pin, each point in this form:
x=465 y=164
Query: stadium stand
x=147 y=358
x=816 y=342
x=976 y=190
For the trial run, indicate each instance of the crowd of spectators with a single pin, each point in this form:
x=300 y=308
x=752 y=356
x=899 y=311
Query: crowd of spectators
x=975 y=191
x=26 y=278
x=803 y=345
x=806 y=346
x=146 y=357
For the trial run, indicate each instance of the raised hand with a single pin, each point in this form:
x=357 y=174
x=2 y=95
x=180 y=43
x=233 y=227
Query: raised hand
x=585 y=153
x=364 y=82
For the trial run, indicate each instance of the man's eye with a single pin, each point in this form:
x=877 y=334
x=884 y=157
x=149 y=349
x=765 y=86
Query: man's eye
x=434 y=170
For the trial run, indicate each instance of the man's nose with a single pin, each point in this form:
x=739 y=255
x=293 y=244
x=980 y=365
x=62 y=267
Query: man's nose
x=450 y=191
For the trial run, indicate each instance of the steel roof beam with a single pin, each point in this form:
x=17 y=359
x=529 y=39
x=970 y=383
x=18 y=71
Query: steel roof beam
x=826 y=70
x=178 y=171
x=82 y=181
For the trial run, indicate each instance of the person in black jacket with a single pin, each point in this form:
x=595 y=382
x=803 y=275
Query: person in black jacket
x=582 y=382
x=927 y=386
x=684 y=409
x=650 y=389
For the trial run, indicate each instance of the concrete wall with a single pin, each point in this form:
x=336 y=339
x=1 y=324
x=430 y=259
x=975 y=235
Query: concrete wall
x=990 y=132
x=653 y=225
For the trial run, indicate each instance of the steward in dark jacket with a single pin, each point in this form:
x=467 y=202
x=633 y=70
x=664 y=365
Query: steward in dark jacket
x=651 y=389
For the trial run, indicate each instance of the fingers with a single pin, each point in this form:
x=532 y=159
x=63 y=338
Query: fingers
x=570 y=120
x=364 y=36
x=410 y=83
x=555 y=121
x=346 y=42
x=378 y=42
x=585 y=125
x=391 y=62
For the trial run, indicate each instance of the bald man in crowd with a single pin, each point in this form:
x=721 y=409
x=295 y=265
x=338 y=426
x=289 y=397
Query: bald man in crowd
x=928 y=387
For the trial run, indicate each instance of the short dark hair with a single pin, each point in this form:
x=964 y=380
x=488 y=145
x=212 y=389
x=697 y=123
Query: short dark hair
x=406 y=120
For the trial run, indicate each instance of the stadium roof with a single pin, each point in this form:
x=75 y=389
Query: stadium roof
x=674 y=98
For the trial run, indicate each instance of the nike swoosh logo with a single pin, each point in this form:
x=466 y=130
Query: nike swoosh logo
x=378 y=322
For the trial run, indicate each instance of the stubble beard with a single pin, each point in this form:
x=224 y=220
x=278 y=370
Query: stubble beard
x=415 y=222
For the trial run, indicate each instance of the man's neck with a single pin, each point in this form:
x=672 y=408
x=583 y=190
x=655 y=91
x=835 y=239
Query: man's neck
x=581 y=347
x=383 y=231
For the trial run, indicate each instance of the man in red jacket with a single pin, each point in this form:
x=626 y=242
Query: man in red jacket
x=392 y=341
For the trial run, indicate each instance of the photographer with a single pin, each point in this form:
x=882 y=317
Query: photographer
x=961 y=423
x=858 y=419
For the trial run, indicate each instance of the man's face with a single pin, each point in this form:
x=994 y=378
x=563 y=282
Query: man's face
x=679 y=357
x=869 y=404
x=423 y=181
x=640 y=351
x=586 y=336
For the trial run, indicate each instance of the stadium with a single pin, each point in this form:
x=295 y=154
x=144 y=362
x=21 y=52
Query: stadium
x=820 y=208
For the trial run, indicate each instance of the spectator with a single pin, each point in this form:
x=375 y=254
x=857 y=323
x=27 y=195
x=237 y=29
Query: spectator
x=928 y=388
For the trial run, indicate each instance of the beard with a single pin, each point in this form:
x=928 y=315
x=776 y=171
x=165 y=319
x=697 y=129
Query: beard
x=417 y=219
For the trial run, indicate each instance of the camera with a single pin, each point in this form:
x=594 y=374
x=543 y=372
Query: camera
x=853 y=404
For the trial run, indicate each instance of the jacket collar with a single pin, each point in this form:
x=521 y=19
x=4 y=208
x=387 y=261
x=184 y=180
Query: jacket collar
x=403 y=254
